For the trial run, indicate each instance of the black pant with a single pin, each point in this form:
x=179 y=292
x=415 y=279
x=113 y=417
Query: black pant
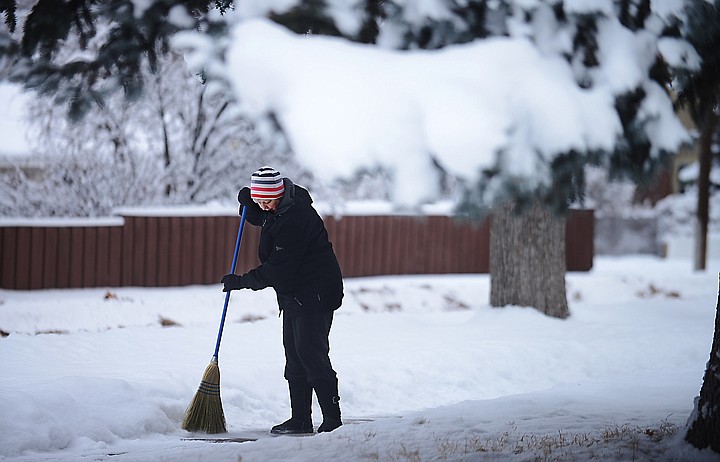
x=307 y=348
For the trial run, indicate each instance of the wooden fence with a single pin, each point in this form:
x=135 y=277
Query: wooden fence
x=175 y=251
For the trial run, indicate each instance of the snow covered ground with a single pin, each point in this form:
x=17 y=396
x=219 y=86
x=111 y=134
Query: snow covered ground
x=428 y=371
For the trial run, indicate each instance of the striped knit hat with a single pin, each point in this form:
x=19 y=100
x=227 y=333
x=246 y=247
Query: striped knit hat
x=266 y=184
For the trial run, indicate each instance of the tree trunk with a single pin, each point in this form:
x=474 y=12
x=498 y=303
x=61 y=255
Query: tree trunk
x=527 y=259
x=703 y=184
x=703 y=428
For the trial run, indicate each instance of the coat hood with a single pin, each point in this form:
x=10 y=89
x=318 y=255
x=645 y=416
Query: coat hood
x=294 y=194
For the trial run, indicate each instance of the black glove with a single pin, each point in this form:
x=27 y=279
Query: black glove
x=244 y=197
x=231 y=282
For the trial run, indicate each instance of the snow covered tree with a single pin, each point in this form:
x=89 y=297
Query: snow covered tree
x=586 y=31
x=586 y=36
x=700 y=92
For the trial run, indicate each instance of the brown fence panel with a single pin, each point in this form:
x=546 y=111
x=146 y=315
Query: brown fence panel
x=352 y=248
x=485 y=243
x=444 y=258
x=396 y=244
x=63 y=262
x=349 y=249
x=202 y=242
x=225 y=236
x=175 y=251
x=464 y=247
x=369 y=251
x=163 y=252
x=152 y=239
x=49 y=270
x=387 y=233
x=423 y=245
x=206 y=251
x=372 y=253
x=140 y=274
x=37 y=249
x=115 y=256
x=22 y=264
x=399 y=246
x=9 y=257
x=210 y=231
x=102 y=259
x=128 y=243
x=477 y=243
x=579 y=236
x=188 y=250
x=216 y=268
x=89 y=259
x=385 y=238
x=224 y=240
x=77 y=260
x=185 y=251
x=361 y=244
x=195 y=250
x=210 y=269
x=425 y=250
x=408 y=245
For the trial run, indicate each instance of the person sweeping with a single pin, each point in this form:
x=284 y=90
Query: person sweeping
x=298 y=262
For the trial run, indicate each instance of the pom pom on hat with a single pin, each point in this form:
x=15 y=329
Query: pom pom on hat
x=266 y=184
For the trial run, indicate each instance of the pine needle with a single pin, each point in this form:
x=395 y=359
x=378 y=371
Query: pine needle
x=205 y=412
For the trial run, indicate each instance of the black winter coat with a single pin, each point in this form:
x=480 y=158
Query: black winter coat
x=297 y=259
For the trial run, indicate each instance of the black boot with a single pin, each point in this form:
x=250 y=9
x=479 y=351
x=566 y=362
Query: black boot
x=301 y=405
x=329 y=400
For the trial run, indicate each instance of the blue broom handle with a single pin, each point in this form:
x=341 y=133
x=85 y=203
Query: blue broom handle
x=227 y=294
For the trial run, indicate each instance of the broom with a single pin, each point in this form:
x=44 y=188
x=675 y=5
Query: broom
x=205 y=412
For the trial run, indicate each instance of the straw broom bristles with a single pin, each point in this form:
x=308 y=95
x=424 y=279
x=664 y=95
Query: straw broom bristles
x=205 y=412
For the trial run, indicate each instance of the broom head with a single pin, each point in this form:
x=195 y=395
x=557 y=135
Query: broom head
x=205 y=412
